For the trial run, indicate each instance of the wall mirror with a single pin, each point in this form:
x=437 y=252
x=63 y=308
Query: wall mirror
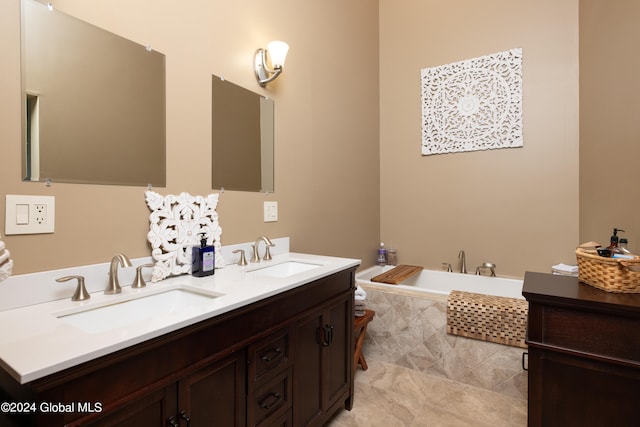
x=242 y=138
x=93 y=103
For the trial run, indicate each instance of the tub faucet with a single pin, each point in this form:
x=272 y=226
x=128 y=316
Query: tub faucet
x=114 y=286
x=463 y=262
x=267 y=254
x=490 y=266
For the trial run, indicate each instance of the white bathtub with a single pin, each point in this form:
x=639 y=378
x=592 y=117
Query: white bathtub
x=442 y=283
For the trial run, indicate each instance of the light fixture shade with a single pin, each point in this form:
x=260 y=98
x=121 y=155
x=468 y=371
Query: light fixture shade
x=278 y=53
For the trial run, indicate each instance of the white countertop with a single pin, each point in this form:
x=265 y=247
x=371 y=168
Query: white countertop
x=36 y=341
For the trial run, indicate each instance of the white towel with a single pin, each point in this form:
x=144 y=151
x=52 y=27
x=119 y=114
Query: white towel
x=564 y=269
x=360 y=295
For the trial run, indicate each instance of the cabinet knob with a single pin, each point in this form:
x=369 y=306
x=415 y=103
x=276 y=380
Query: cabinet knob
x=172 y=422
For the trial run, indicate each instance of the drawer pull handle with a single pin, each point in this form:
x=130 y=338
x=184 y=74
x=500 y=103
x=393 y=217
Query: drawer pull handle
x=525 y=366
x=271 y=355
x=274 y=397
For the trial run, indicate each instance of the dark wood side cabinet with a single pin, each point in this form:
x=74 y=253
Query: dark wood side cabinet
x=283 y=361
x=584 y=354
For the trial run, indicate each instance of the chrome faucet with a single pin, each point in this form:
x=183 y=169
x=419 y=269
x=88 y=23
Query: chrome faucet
x=463 y=262
x=114 y=286
x=267 y=254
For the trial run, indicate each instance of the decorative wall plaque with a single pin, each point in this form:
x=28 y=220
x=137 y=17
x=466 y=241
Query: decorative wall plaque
x=6 y=263
x=473 y=105
x=175 y=225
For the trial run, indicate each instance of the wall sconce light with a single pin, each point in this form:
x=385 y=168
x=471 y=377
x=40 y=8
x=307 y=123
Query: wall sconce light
x=264 y=73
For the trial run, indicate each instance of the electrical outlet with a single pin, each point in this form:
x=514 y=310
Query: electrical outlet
x=40 y=216
x=29 y=214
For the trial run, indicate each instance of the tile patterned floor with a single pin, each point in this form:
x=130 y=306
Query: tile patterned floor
x=389 y=395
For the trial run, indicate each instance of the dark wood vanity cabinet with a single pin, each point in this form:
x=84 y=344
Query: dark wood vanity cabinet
x=584 y=354
x=283 y=361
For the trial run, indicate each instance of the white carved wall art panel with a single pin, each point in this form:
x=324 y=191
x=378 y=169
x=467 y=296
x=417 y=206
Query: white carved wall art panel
x=6 y=263
x=472 y=105
x=175 y=225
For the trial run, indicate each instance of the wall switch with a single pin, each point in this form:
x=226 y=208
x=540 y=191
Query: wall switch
x=270 y=211
x=29 y=214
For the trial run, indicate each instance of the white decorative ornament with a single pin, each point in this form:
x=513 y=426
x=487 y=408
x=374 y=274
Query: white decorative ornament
x=175 y=225
x=6 y=263
x=473 y=105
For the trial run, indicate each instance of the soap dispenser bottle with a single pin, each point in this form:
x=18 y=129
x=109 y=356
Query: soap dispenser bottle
x=613 y=242
x=203 y=258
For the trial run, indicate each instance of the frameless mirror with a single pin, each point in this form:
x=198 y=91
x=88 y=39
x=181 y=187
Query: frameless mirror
x=242 y=138
x=94 y=103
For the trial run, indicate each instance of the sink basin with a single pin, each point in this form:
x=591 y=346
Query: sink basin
x=107 y=317
x=286 y=269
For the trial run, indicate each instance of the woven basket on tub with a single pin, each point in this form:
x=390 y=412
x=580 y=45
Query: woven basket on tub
x=609 y=274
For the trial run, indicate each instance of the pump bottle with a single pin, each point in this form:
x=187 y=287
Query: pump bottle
x=203 y=258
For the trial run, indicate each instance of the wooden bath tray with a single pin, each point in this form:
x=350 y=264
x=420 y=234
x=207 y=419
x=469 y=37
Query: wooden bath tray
x=397 y=274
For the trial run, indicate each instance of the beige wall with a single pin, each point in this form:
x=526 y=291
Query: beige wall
x=609 y=120
x=517 y=208
x=326 y=152
x=342 y=182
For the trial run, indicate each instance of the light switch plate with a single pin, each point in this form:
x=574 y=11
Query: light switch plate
x=29 y=214
x=270 y=211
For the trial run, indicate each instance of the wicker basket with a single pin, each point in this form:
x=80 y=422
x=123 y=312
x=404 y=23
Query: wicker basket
x=609 y=274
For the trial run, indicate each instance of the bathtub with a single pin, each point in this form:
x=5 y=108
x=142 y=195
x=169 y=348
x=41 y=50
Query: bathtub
x=442 y=283
x=413 y=324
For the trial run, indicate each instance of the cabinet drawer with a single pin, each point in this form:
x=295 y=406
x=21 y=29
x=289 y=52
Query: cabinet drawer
x=271 y=399
x=269 y=354
x=589 y=332
x=280 y=420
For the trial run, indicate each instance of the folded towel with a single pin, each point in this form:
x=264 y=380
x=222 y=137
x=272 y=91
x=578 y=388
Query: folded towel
x=565 y=270
x=360 y=294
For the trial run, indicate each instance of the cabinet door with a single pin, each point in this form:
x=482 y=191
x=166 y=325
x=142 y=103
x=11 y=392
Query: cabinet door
x=339 y=353
x=323 y=359
x=307 y=376
x=152 y=410
x=215 y=394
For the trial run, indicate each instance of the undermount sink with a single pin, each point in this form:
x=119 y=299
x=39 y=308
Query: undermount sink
x=119 y=314
x=286 y=269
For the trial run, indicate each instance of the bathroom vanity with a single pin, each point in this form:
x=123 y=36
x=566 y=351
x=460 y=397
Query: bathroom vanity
x=284 y=357
x=584 y=354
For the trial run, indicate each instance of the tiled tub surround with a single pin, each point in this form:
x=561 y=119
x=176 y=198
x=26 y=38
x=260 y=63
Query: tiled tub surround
x=409 y=330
